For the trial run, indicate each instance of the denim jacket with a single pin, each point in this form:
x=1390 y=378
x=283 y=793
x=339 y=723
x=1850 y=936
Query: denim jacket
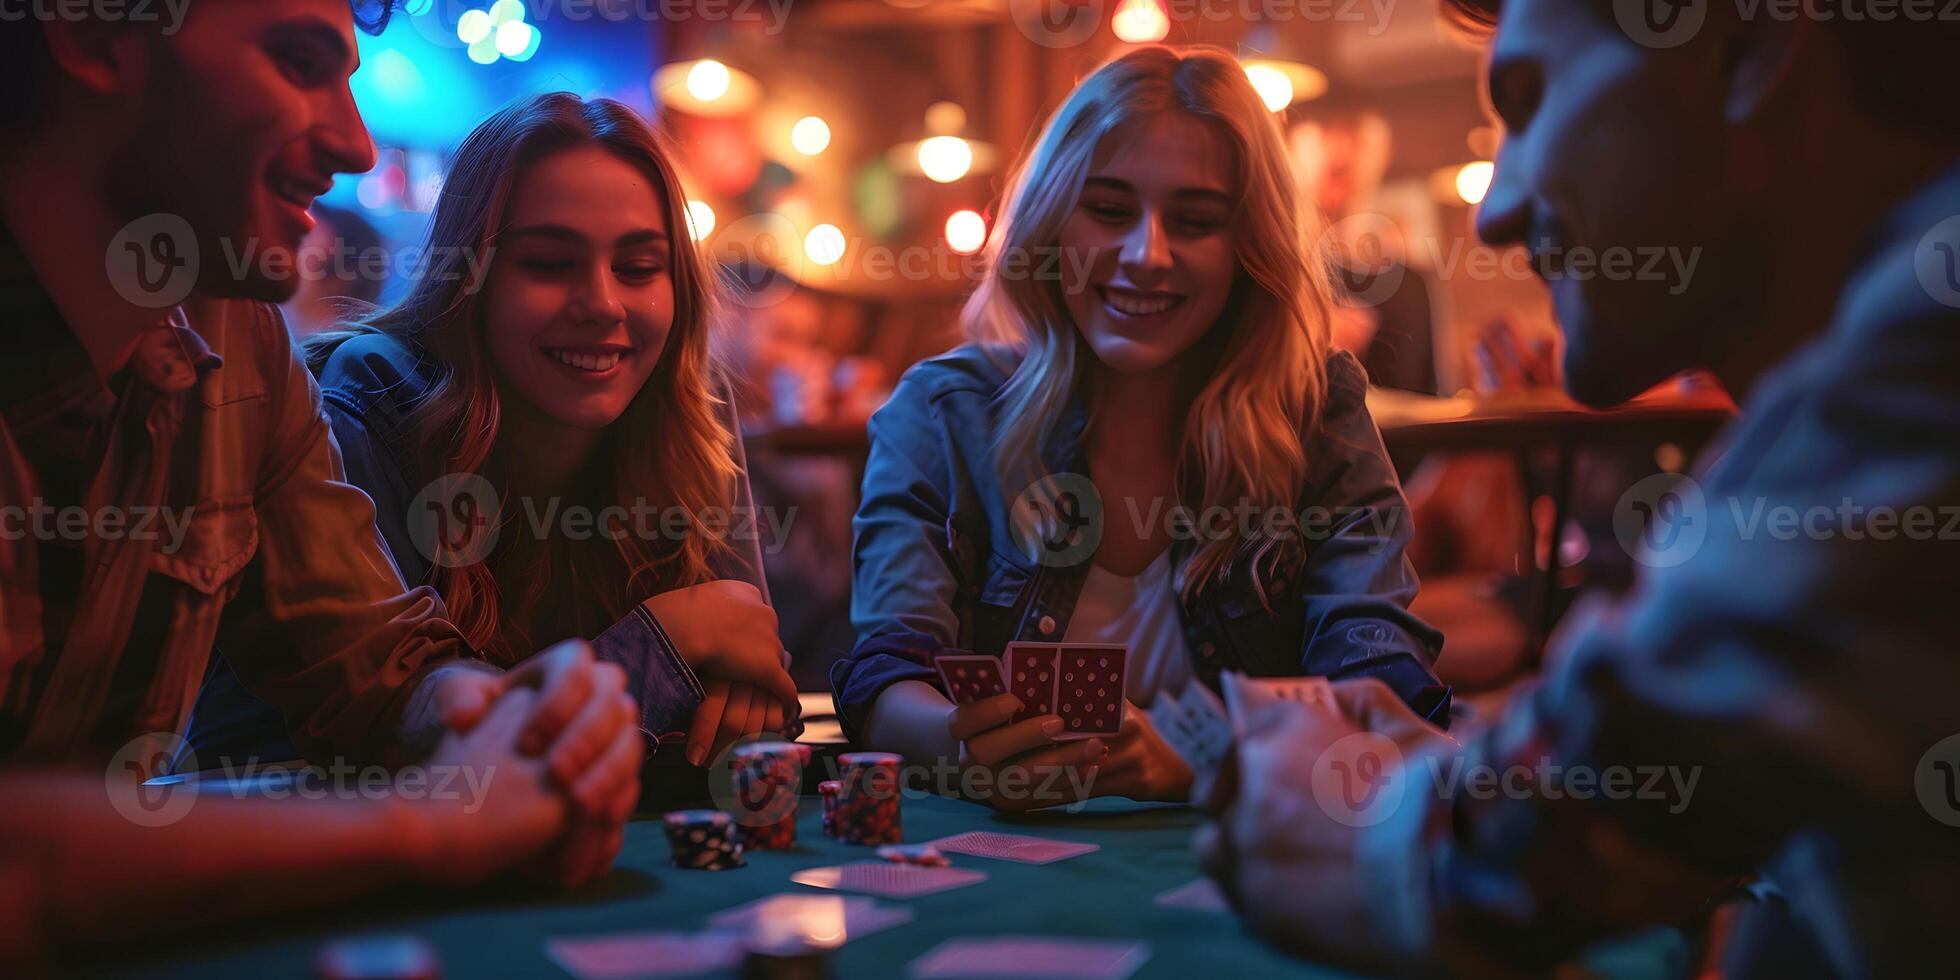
x=939 y=564
x=369 y=384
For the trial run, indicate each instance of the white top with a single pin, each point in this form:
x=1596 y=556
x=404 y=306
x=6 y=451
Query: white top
x=1141 y=613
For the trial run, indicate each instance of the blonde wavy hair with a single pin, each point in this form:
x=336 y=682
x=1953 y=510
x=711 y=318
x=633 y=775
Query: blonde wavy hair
x=673 y=444
x=1266 y=377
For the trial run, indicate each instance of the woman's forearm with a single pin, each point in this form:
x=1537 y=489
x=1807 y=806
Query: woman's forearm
x=910 y=718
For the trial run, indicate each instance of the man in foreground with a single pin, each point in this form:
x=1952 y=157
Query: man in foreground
x=1789 y=680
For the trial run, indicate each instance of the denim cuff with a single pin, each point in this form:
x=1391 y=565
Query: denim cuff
x=662 y=683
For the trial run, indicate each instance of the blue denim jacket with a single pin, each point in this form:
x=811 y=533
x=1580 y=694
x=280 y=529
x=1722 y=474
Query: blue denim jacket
x=369 y=383
x=938 y=562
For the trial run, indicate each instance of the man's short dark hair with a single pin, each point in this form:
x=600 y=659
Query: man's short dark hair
x=24 y=57
x=1901 y=69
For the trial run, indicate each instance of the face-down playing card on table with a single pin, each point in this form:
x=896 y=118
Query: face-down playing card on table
x=1012 y=847
x=970 y=677
x=1032 y=956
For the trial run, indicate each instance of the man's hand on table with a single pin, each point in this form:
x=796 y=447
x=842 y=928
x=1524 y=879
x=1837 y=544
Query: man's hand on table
x=581 y=725
x=1317 y=854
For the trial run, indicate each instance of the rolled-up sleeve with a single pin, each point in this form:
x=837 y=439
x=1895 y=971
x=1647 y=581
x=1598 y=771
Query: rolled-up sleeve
x=1357 y=582
x=903 y=579
x=323 y=627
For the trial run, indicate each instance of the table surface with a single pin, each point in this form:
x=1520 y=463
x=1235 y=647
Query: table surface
x=501 y=930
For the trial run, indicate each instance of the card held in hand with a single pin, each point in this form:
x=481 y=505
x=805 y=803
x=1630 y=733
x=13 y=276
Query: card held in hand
x=1245 y=696
x=1089 y=689
x=1031 y=677
x=970 y=677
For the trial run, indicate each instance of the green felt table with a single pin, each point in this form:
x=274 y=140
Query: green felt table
x=502 y=930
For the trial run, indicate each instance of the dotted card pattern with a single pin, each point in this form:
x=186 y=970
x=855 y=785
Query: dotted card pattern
x=1089 y=689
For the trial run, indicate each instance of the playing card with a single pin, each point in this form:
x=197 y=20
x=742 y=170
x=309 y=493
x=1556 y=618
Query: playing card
x=1031 y=676
x=1245 y=696
x=889 y=879
x=1032 y=956
x=970 y=677
x=1194 y=725
x=1089 y=689
x=834 y=919
x=645 y=954
x=1201 y=895
x=1012 y=847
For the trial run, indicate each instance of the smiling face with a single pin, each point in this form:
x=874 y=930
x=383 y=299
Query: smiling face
x=580 y=296
x=1612 y=148
x=245 y=117
x=1155 y=220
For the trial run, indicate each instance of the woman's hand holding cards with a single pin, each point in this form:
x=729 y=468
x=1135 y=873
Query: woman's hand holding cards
x=1028 y=763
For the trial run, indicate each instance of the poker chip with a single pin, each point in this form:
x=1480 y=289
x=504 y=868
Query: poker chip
x=378 y=958
x=867 y=799
x=923 y=855
x=828 y=790
x=767 y=778
x=704 y=840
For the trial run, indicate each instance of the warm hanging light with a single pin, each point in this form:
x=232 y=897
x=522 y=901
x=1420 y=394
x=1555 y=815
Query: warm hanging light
x=1473 y=181
x=945 y=158
x=706 y=88
x=810 y=136
x=700 y=220
x=1140 y=22
x=1283 y=83
x=966 y=231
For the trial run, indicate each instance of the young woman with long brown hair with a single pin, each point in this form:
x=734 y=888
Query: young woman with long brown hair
x=1153 y=325
x=543 y=430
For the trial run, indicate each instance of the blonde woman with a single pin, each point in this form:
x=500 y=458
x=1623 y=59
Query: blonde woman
x=1152 y=323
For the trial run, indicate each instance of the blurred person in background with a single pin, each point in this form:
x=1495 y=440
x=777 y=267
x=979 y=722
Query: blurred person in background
x=343 y=268
x=1382 y=309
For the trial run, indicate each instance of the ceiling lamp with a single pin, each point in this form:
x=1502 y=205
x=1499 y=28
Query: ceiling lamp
x=1284 y=83
x=705 y=87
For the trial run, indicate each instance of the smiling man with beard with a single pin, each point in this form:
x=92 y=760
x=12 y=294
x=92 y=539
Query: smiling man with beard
x=1808 y=679
x=140 y=374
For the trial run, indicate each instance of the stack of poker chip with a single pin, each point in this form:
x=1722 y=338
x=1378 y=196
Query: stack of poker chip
x=828 y=789
x=703 y=839
x=867 y=800
x=767 y=778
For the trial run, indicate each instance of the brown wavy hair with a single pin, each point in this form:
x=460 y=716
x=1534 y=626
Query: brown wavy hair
x=673 y=445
